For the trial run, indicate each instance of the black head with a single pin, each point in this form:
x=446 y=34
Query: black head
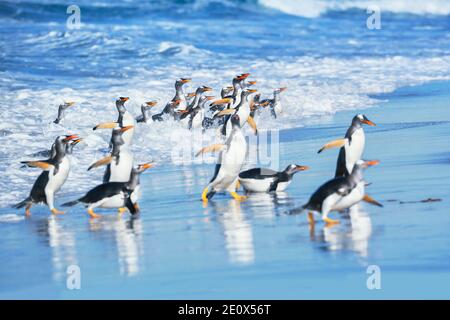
x=360 y=119
x=294 y=168
x=180 y=82
x=120 y=104
x=235 y=121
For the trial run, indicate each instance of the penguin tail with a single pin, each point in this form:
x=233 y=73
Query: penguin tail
x=22 y=203
x=298 y=210
x=70 y=203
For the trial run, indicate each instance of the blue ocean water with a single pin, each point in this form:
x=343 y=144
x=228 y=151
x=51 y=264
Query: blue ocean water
x=322 y=51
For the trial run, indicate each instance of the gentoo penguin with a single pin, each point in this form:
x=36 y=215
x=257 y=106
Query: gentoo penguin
x=179 y=93
x=145 y=109
x=71 y=144
x=168 y=109
x=275 y=103
x=352 y=146
x=198 y=94
x=55 y=172
x=113 y=194
x=61 y=109
x=267 y=180
x=120 y=161
x=242 y=110
x=197 y=115
x=340 y=193
x=230 y=162
x=125 y=119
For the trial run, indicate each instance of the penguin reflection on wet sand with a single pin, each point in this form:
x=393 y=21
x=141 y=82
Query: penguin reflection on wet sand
x=352 y=146
x=118 y=195
x=268 y=180
x=61 y=110
x=230 y=162
x=339 y=194
x=55 y=172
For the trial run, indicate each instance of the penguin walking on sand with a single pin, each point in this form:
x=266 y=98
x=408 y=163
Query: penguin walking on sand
x=339 y=194
x=119 y=163
x=55 y=172
x=351 y=147
x=230 y=162
x=267 y=180
x=61 y=110
x=118 y=195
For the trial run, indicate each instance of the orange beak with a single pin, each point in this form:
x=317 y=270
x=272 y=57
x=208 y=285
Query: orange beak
x=185 y=80
x=123 y=129
x=252 y=90
x=146 y=166
x=251 y=83
x=71 y=137
x=301 y=168
x=368 y=122
x=209 y=98
x=370 y=163
x=282 y=89
x=124 y=98
x=151 y=103
x=243 y=76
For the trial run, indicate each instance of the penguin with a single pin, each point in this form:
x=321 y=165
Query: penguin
x=114 y=194
x=120 y=162
x=125 y=119
x=61 y=109
x=242 y=110
x=54 y=174
x=197 y=115
x=339 y=193
x=198 y=95
x=352 y=146
x=267 y=180
x=179 y=93
x=230 y=162
x=168 y=109
x=145 y=108
x=275 y=103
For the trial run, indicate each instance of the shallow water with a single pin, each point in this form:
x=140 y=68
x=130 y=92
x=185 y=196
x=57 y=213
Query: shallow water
x=333 y=67
x=177 y=249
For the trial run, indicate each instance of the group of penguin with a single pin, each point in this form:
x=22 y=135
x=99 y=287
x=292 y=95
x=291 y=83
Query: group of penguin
x=237 y=106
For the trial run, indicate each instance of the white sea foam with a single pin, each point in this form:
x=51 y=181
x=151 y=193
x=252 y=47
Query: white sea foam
x=315 y=8
x=316 y=87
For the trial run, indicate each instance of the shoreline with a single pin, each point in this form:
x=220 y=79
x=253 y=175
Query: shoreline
x=177 y=249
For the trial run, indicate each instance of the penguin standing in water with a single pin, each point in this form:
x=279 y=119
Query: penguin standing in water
x=114 y=194
x=230 y=162
x=125 y=119
x=197 y=115
x=267 y=180
x=120 y=161
x=145 y=109
x=242 y=110
x=339 y=194
x=352 y=146
x=275 y=103
x=61 y=110
x=56 y=169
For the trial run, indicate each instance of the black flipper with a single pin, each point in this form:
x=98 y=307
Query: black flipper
x=274 y=185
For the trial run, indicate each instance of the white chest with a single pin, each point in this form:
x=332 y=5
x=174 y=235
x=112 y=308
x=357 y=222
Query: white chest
x=55 y=181
x=354 y=150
